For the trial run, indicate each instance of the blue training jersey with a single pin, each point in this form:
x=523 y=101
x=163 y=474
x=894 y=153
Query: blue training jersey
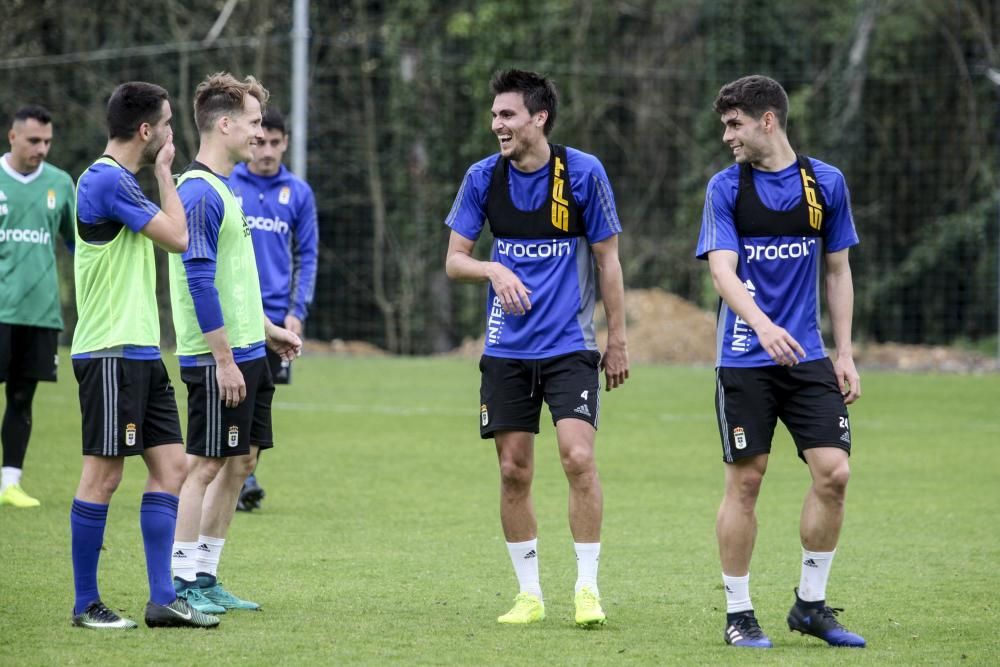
x=559 y=272
x=782 y=273
x=110 y=194
x=205 y=211
x=281 y=213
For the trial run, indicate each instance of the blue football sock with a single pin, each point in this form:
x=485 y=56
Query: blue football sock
x=86 y=523
x=158 y=519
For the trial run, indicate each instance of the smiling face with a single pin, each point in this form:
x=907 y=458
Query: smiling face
x=30 y=141
x=245 y=131
x=744 y=136
x=518 y=131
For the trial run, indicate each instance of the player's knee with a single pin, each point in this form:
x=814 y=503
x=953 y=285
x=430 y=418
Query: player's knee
x=745 y=488
x=578 y=461
x=515 y=474
x=242 y=466
x=833 y=482
x=104 y=485
x=203 y=470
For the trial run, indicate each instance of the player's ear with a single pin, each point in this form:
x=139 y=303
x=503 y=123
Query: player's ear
x=145 y=131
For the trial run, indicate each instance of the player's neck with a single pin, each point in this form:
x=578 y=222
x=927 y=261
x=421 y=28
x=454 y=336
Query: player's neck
x=781 y=157
x=126 y=154
x=534 y=158
x=215 y=158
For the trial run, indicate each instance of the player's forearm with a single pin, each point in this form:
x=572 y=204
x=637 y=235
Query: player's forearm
x=612 y=284
x=840 y=301
x=172 y=206
x=735 y=294
x=218 y=343
x=466 y=268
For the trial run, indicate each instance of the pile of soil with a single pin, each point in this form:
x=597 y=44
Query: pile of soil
x=664 y=328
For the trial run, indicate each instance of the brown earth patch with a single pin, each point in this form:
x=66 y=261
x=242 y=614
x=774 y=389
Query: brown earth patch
x=664 y=328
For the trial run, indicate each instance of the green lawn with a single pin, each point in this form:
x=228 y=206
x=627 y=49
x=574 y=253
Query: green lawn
x=379 y=539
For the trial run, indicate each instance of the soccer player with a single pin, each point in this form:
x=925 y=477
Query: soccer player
x=36 y=203
x=281 y=211
x=768 y=221
x=221 y=333
x=126 y=399
x=552 y=215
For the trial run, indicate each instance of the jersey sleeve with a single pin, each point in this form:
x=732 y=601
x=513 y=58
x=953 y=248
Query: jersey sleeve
x=129 y=205
x=718 y=225
x=592 y=190
x=468 y=212
x=305 y=246
x=840 y=230
x=204 y=210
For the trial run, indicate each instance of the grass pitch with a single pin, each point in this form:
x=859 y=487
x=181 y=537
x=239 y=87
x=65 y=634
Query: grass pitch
x=379 y=540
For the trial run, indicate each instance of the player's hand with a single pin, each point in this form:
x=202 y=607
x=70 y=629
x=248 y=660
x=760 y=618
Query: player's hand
x=285 y=343
x=614 y=363
x=294 y=325
x=232 y=388
x=848 y=378
x=165 y=157
x=514 y=296
x=780 y=346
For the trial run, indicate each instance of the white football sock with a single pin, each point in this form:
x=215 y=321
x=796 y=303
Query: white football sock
x=588 y=556
x=737 y=593
x=9 y=476
x=209 y=553
x=524 y=558
x=815 y=572
x=184 y=560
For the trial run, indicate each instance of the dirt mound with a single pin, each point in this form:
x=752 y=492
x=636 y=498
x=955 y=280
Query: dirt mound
x=343 y=348
x=664 y=328
x=896 y=356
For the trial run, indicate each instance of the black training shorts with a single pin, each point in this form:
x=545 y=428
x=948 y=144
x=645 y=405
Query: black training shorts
x=805 y=397
x=217 y=431
x=281 y=370
x=29 y=353
x=126 y=405
x=512 y=390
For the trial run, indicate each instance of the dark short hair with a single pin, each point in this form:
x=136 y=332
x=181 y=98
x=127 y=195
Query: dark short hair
x=538 y=91
x=273 y=120
x=133 y=104
x=754 y=95
x=36 y=111
x=222 y=94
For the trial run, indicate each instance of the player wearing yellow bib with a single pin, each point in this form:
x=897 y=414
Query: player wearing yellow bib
x=126 y=400
x=221 y=333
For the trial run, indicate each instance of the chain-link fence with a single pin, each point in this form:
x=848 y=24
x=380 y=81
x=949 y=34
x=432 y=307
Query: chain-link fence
x=897 y=95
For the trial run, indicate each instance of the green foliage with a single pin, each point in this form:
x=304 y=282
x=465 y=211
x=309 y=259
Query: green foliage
x=892 y=93
x=379 y=542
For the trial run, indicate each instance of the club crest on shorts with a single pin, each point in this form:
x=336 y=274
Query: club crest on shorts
x=484 y=416
x=740 y=437
x=234 y=436
x=130 y=435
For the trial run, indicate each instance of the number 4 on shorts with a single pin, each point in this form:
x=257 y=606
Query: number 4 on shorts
x=584 y=394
